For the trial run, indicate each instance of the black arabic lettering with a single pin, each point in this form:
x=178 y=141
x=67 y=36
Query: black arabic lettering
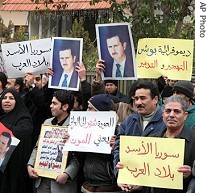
x=145 y=49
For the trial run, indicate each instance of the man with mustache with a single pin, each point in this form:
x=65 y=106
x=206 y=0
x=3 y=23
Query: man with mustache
x=146 y=121
x=174 y=116
x=121 y=64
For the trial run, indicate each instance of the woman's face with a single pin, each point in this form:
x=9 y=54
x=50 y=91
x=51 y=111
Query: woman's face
x=8 y=102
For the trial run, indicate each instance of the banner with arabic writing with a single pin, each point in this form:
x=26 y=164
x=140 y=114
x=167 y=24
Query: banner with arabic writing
x=167 y=57
x=151 y=161
x=91 y=131
x=50 y=159
x=26 y=57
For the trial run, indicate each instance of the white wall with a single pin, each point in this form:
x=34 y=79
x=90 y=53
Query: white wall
x=17 y=17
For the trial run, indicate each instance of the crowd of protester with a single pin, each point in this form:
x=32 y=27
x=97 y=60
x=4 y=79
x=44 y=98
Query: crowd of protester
x=150 y=108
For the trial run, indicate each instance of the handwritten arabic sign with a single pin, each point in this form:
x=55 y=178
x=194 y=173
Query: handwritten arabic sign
x=151 y=161
x=168 y=57
x=50 y=159
x=26 y=56
x=91 y=131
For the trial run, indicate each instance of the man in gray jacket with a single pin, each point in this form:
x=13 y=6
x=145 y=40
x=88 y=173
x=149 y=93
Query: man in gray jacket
x=66 y=182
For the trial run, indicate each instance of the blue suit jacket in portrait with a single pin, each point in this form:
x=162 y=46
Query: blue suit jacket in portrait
x=128 y=70
x=56 y=78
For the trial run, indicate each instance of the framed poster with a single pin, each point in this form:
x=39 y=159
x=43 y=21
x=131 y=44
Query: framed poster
x=66 y=56
x=50 y=158
x=116 y=49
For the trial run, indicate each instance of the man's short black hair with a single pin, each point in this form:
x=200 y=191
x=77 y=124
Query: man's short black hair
x=6 y=134
x=145 y=85
x=65 y=97
x=114 y=33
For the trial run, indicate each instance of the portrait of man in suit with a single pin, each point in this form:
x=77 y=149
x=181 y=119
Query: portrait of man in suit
x=5 y=142
x=117 y=51
x=66 y=56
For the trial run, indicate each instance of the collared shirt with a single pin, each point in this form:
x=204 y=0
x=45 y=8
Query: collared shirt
x=63 y=77
x=1 y=160
x=122 y=67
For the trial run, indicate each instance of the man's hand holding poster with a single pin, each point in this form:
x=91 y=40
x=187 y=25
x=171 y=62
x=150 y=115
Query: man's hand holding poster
x=151 y=161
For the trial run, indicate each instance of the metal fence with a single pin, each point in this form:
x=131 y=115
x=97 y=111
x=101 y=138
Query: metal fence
x=123 y=85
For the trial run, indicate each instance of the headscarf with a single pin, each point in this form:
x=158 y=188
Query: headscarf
x=15 y=177
x=19 y=112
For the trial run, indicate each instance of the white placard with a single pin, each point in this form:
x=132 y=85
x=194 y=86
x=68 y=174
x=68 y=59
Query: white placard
x=26 y=57
x=91 y=131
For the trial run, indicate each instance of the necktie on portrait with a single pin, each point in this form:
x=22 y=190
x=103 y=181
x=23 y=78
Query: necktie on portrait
x=64 y=83
x=118 y=72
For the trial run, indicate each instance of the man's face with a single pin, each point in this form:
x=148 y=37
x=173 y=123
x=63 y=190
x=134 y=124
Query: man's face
x=174 y=116
x=91 y=108
x=56 y=107
x=3 y=145
x=38 y=81
x=66 y=60
x=10 y=83
x=143 y=102
x=8 y=102
x=29 y=80
x=116 y=48
x=110 y=88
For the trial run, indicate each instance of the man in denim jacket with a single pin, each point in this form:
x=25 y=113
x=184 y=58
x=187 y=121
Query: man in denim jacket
x=147 y=121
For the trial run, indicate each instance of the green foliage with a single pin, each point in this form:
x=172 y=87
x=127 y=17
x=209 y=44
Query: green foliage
x=90 y=54
x=5 y=32
x=156 y=18
x=20 y=35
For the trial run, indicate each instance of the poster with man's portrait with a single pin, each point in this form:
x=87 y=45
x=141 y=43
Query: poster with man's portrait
x=116 y=49
x=50 y=158
x=65 y=57
x=8 y=143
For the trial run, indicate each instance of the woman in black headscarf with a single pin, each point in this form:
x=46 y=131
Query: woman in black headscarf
x=15 y=116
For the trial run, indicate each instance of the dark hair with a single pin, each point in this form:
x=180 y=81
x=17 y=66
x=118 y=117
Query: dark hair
x=19 y=101
x=3 y=79
x=115 y=82
x=63 y=44
x=116 y=31
x=65 y=97
x=6 y=134
x=145 y=85
x=78 y=96
x=19 y=81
